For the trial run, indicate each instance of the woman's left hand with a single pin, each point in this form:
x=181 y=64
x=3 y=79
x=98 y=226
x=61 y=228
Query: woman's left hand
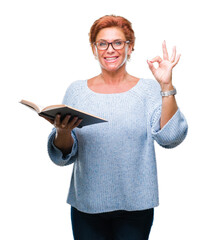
x=163 y=74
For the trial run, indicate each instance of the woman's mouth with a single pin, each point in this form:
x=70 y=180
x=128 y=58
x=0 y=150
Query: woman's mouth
x=110 y=59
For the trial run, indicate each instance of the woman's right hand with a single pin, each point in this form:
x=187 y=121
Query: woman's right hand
x=66 y=125
x=63 y=139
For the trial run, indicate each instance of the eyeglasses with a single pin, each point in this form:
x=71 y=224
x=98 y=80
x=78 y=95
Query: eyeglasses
x=116 y=45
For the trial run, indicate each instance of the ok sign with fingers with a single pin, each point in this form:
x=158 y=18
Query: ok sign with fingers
x=163 y=74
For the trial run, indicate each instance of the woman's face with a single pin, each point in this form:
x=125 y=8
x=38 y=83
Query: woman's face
x=111 y=59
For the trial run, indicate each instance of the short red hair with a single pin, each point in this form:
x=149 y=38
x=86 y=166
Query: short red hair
x=112 y=21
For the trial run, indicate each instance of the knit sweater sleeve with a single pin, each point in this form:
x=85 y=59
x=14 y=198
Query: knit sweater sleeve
x=174 y=131
x=56 y=154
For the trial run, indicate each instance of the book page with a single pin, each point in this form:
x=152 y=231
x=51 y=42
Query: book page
x=31 y=105
x=53 y=107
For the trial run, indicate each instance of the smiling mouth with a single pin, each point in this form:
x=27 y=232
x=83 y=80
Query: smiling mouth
x=110 y=59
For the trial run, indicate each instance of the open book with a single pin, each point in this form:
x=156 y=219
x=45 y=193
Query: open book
x=51 y=111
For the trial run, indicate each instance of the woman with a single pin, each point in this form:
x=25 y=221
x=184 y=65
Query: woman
x=114 y=187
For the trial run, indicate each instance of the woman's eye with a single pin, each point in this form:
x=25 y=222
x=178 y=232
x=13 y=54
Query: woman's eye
x=118 y=43
x=102 y=44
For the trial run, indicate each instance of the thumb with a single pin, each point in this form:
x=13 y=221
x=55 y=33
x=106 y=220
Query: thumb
x=151 y=66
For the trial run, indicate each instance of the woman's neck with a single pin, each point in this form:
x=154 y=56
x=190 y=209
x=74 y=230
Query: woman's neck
x=114 y=78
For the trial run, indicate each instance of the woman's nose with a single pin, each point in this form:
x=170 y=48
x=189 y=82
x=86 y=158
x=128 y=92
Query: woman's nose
x=110 y=48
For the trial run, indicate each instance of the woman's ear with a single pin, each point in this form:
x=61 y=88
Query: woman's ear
x=129 y=52
x=130 y=49
x=94 y=49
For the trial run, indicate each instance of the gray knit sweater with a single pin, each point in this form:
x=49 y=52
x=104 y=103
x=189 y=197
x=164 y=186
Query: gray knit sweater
x=114 y=162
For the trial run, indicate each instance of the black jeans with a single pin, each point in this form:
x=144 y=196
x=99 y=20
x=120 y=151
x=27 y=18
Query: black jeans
x=116 y=225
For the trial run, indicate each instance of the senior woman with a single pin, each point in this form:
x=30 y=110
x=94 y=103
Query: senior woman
x=114 y=186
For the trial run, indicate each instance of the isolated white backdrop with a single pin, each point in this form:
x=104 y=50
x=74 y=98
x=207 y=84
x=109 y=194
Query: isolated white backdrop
x=44 y=47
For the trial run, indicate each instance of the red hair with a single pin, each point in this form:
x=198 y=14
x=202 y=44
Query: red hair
x=112 y=21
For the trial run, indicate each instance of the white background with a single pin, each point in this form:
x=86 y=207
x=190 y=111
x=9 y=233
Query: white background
x=44 y=47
